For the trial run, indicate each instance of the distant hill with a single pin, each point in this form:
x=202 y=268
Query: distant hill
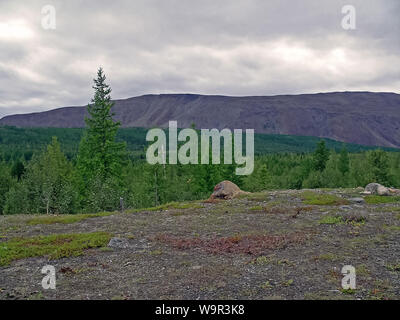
x=23 y=142
x=356 y=117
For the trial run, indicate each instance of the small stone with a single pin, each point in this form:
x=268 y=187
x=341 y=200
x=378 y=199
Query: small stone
x=196 y=267
x=358 y=200
x=118 y=243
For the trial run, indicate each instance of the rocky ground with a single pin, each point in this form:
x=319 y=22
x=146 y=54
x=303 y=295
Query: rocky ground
x=269 y=245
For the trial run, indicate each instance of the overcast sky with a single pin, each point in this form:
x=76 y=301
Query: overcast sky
x=249 y=47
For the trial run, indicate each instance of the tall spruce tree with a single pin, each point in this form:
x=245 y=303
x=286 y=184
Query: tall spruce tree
x=321 y=156
x=100 y=157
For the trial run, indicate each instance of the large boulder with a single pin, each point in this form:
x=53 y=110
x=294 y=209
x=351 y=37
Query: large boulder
x=226 y=190
x=377 y=189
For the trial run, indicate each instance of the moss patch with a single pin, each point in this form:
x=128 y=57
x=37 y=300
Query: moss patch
x=327 y=257
x=256 y=208
x=381 y=199
x=66 y=218
x=394 y=267
x=169 y=206
x=314 y=198
x=348 y=291
x=255 y=196
x=54 y=246
x=331 y=220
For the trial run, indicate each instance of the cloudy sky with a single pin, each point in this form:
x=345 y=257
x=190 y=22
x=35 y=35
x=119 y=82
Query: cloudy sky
x=249 y=47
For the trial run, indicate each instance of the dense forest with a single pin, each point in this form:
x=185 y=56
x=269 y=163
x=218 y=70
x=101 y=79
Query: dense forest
x=50 y=170
x=49 y=182
x=22 y=143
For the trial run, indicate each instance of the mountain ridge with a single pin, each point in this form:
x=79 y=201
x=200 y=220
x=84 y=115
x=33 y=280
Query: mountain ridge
x=362 y=117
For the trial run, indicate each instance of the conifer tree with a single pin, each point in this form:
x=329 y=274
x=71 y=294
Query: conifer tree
x=101 y=157
x=379 y=162
x=101 y=154
x=46 y=186
x=5 y=183
x=344 y=162
x=321 y=156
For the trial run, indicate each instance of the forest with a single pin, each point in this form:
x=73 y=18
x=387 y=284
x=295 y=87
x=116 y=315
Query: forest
x=57 y=171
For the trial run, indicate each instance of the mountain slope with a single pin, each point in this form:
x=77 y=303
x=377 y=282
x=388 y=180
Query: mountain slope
x=357 y=117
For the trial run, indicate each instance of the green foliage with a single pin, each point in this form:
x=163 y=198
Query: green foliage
x=379 y=162
x=348 y=291
x=344 y=161
x=100 y=155
x=55 y=246
x=17 y=170
x=77 y=186
x=47 y=185
x=19 y=144
x=321 y=156
x=6 y=182
x=100 y=158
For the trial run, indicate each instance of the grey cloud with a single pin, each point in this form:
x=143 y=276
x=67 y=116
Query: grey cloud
x=249 y=47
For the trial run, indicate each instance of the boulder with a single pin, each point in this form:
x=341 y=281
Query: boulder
x=357 y=200
x=394 y=191
x=376 y=189
x=226 y=190
x=118 y=243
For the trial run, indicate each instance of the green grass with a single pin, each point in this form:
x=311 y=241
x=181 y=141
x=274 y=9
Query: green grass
x=256 y=208
x=169 y=206
x=54 y=246
x=155 y=252
x=390 y=209
x=381 y=199
x=313 y=198
x=393 y=267
x=266 y=285
x=66 y=218
x=255 y=196
x=391 y=227
x=332 y=220
x=348 y=291
x=328 y=257
x=262 y=260
x=362 y=270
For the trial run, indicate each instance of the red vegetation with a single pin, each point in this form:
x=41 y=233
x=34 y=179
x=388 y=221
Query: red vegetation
x=250 y=244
